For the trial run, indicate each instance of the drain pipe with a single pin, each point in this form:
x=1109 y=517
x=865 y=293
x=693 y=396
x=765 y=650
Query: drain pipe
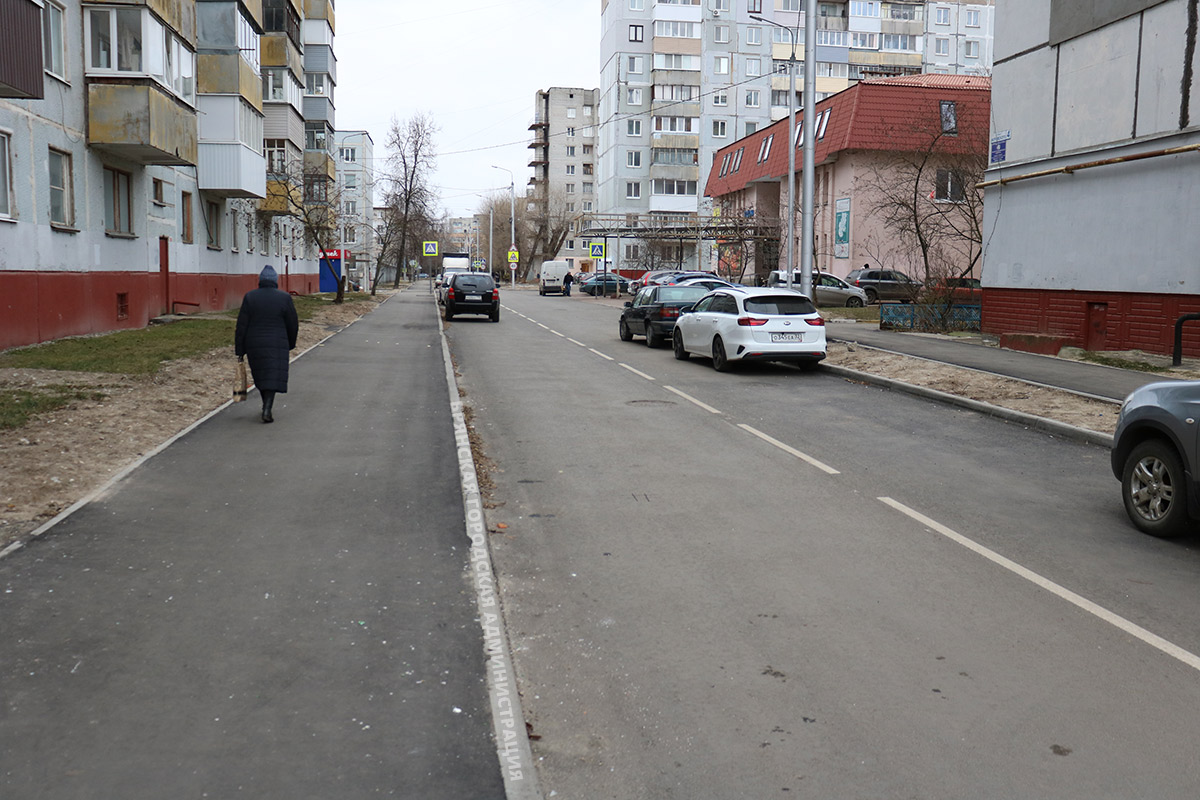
x=1177 y=355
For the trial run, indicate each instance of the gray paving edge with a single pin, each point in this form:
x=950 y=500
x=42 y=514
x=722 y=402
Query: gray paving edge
x=1029 y=420
x=508 y=720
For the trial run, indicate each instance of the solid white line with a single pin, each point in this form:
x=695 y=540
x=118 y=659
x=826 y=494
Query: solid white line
x=787 y=449
x=693 y=400
x=576 y=341
x=597 y=352
x=637 y=372
x=1117 y=621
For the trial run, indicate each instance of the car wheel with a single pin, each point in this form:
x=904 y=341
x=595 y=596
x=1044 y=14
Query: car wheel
x=677 y=346
x=719 y=359
x=872 y=296
x=447 y=314
x=624 y=332
x=653 y=337
x=495 y=315
x=854 y=302
x=1154 y=489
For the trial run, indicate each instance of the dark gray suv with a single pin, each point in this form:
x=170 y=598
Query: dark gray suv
x=1154 y=456
x=884 y=284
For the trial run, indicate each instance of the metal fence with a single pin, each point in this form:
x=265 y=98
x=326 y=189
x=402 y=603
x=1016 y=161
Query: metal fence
x=937 y=317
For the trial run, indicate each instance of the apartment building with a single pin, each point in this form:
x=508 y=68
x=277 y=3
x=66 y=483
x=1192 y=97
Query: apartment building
x=356 y=195
x=681 y=79
x=1090 y=198
x=564 y=160
x=134 y=180
x=958 y=38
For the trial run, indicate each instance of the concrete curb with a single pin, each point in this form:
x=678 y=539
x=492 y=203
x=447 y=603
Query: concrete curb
x=1029 y=420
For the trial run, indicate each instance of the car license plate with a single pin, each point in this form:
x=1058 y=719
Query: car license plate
x=473 y=297
x=787 y=337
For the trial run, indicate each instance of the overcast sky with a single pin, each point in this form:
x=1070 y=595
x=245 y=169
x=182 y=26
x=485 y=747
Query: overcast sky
x=474 y=66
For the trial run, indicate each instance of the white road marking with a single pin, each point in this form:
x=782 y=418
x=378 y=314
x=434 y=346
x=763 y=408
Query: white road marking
x=597 y=352
x=637 y=372
x=576 y=341
x=1117 y=621
x=540 y=325
x=556 y=333
x=693 y=400
x=788 y=449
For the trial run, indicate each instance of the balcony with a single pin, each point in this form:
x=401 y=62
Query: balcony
x=141 y=123
x=283 y=197
x=231 y=170
x=20 y=49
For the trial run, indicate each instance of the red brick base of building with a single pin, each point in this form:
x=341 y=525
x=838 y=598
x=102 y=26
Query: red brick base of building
x=1094 y=320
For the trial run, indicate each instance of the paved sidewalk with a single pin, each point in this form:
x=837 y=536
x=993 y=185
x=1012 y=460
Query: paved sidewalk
x=269 y=611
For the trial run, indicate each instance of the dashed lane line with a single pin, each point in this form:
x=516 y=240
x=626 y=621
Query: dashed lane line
x=1116 y=620
x=637 y=372
x=692 y=400
x=597 y=352
x=789 y=449
x=576 y=341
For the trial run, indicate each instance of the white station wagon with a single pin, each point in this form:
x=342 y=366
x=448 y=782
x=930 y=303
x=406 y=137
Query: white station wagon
x=751 y=324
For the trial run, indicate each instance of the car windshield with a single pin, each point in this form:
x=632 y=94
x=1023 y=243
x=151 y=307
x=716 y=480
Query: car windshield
x=474 y=283
x=688 y=293
x=779 y=304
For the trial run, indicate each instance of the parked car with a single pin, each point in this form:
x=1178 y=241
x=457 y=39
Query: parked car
x=958 y=290
x=471 y=293
x=706 y=282
x=829 y=290
x=1154 y=455
x=751 y=324
x=604 y=283
x=653 y=312
x=884 y=284
x=650 y=277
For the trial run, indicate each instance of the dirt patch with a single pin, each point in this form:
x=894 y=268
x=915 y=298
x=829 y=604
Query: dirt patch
x=61 y=457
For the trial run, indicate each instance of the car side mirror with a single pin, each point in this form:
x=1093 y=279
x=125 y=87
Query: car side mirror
x=687 y=309
x=629 y=304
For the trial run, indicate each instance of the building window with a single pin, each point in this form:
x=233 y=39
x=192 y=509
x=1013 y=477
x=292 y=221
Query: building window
x=864 y=41
x=569 y=188
x=789 y=5
x=587 y=169
x=212 y=220
x=318 y=84
x=587 y=205
x=941 y=46
x=764 y=150
x=248 y=42
x=587 y=151
x=131 y=41
x=668 y=186
x=6 y=203
x=900 y=41
x=721 y=65
x=719 y=128
x=751 y=127
x=633 y=96
x=52 y=40
x=348 y=153
x=62 y=200
x=570 y=131
x=753 y=67
x=349 y=234
x=637 y=5
x=864 y=9
x=635 y=64
x=752 y=98
x=118 y=210
x=971 y=48
x=754 y=6
x=276 y=156
x=636 y=33
x=973 y=18
x=721 y=34
x=949 y=114
x=941 y=16
x=633 y=127
x=570 y=169
x=720 y=97
x=949 y=186
x=754 y=35
x=720 y=5
x=587 y=187
x=633 y=159
x=633 y=190
x=186 y=230
x=672 y=29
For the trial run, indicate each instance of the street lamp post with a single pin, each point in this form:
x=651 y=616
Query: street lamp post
x=810 y=21
x=512 y=220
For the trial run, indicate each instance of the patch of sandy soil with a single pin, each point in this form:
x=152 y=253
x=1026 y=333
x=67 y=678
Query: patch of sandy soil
x=60 y=457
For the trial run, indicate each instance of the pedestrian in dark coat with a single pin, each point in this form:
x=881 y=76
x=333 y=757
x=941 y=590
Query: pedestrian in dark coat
x=568 y=279
x=267 y=327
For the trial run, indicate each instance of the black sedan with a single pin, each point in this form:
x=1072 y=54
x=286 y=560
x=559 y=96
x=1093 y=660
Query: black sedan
x=653 y=312
x=603 y=283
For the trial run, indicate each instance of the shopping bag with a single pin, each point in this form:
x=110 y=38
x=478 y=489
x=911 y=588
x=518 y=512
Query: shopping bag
x=239 y=382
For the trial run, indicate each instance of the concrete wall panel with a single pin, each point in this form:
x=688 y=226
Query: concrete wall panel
x=1097 y=80
x=1023 y=104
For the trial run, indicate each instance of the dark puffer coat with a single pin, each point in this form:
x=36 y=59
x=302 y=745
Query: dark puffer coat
x=267 y=327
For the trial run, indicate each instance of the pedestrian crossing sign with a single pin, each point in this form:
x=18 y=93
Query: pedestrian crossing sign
x=431 y=248
x=596 y=250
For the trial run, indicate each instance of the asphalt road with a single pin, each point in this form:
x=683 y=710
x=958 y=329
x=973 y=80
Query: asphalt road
x=265 y=611
x=782 y=584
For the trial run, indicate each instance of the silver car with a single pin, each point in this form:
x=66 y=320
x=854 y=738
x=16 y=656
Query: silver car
x=830 y=290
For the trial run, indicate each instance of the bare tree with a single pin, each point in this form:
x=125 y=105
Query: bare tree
x=413 y=161
x=306 y=190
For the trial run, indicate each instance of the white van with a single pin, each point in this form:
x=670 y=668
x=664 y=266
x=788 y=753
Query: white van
x=551 y=280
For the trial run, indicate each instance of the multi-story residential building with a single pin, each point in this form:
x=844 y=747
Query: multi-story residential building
x=684 y=78
x=356 y=194
x=958 y=37
x=564 y=161
x=320 y=165
x=138 y=184
x=1090 y=199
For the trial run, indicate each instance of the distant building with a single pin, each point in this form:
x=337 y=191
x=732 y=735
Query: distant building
x=1091 y=196
x=356 y=193
x=564 y=164
x=868 y=137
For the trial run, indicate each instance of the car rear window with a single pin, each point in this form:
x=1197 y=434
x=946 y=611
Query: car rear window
x=779 y=304
x=688 y=293
x=475 y=283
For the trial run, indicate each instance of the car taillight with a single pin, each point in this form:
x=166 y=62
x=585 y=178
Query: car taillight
x=751 y=322
x=495 y=294
x=667 y=312
x=820 y=323
x=450 y=293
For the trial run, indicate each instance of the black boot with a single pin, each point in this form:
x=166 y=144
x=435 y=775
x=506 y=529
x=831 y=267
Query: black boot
x=268 y=399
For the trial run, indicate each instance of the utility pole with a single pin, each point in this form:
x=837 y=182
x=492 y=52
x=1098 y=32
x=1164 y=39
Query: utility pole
x=512 y=220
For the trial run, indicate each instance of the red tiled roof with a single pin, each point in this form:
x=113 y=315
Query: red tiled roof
x=892 y=114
